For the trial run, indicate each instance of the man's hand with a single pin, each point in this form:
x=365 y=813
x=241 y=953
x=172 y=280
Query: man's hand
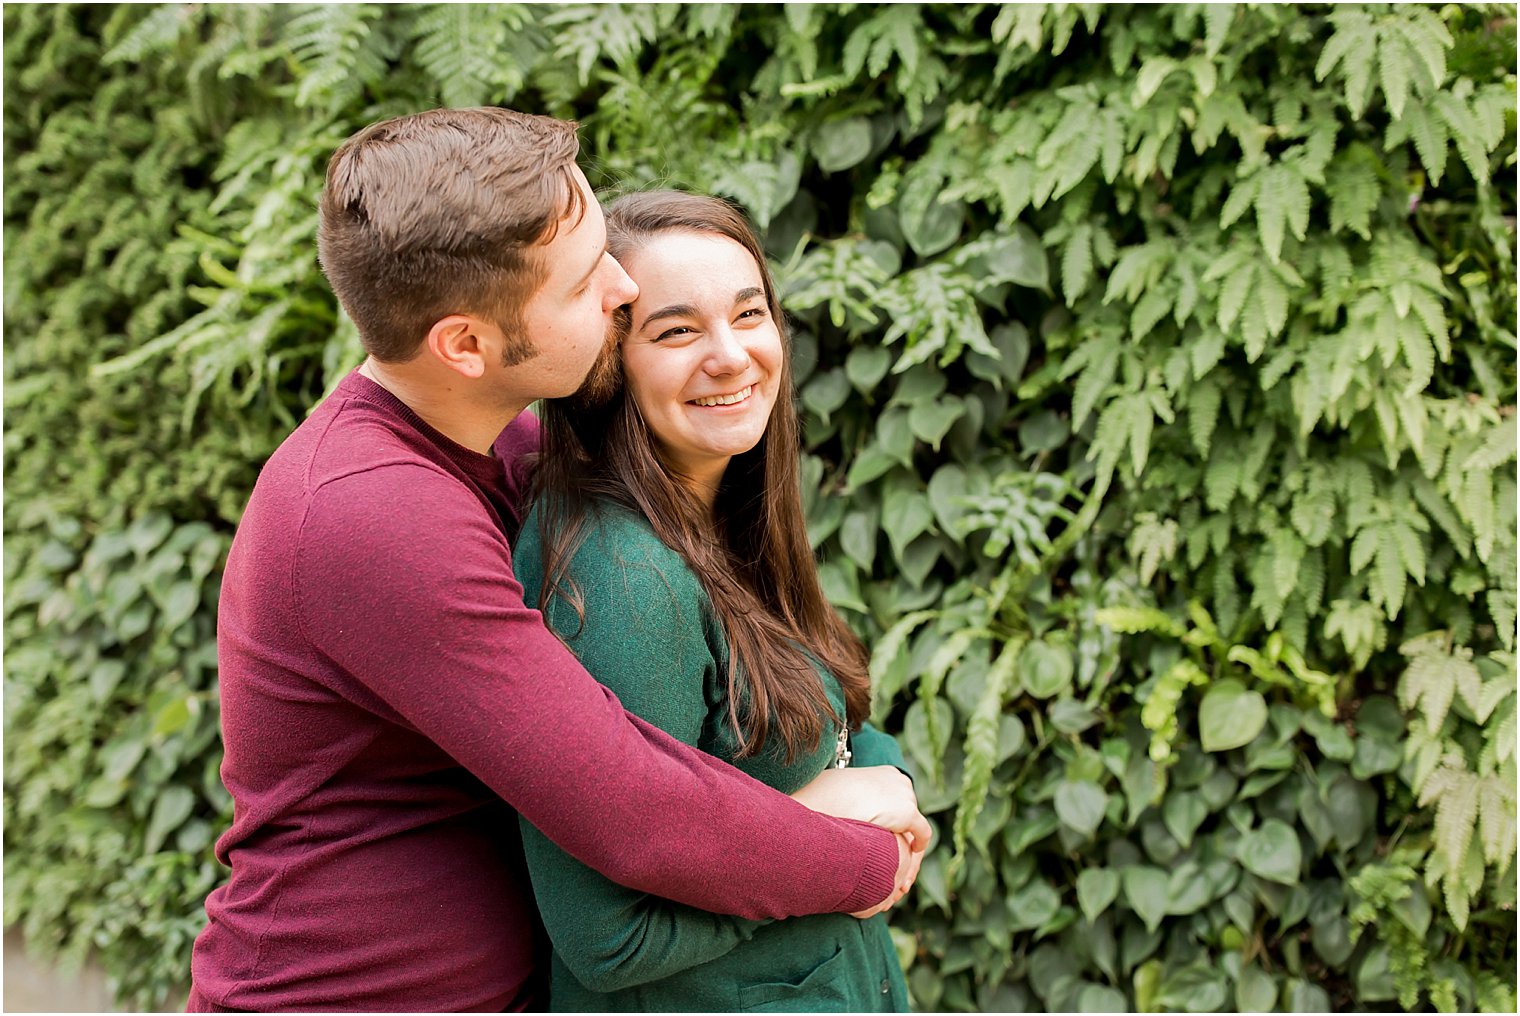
x=880 y=795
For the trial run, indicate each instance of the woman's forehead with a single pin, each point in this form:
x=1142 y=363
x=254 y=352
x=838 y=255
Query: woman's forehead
x=691 y=266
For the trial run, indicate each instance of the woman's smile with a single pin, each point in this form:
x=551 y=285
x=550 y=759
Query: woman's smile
x=724 y=401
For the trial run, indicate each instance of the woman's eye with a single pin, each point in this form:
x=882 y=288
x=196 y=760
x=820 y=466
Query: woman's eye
x=671 y=333
x=753 y=313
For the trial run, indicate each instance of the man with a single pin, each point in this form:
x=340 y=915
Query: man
x=387 y=698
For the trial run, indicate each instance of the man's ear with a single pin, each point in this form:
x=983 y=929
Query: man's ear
x=460 y=343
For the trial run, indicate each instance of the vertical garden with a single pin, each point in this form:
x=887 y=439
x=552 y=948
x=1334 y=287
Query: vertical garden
x=1157 y=368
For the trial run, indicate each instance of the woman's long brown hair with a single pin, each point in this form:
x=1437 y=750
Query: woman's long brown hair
x=755 y=564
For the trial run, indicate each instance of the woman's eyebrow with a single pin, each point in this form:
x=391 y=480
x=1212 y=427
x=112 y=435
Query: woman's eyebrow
x=687 y=310
x=674 y=310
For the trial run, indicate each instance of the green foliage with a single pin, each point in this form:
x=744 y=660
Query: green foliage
x=1157 y=371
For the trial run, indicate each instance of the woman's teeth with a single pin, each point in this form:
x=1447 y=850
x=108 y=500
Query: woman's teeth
x=725 y=400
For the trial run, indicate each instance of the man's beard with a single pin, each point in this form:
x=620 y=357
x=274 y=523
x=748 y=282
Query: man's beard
x=605 y=379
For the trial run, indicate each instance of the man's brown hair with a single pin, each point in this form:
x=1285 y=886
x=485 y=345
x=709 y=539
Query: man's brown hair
x=437 y=213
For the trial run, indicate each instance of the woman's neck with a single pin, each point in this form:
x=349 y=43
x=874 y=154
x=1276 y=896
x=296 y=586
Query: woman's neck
x=704 y=485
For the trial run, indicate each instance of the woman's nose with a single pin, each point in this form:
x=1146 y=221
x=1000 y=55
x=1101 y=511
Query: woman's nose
x=728 y=354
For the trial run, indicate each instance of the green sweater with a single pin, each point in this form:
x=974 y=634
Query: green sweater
x=651 y=636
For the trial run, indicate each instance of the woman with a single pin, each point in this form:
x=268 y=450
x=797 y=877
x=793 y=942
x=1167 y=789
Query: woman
x=668 y=549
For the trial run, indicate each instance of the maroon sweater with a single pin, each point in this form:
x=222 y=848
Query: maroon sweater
x=388 y=700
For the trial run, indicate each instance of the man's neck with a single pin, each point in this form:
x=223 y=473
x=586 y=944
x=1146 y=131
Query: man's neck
x=444 y=402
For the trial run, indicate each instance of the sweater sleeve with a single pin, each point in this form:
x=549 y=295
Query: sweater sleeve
x=642 y=635
x=872 y=747
x=404 y=582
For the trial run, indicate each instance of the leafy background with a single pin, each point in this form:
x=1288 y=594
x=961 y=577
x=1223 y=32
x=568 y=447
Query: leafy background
x=1158 y=371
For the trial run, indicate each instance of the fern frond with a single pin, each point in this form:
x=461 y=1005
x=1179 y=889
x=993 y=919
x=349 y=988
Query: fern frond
x=158 y=32
x=1352 y=183
x=1432 y=677
x=338 y=52
x=461 y=46
x=981 y=746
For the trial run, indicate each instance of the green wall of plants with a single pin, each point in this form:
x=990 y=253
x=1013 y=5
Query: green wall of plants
x=1158 y=371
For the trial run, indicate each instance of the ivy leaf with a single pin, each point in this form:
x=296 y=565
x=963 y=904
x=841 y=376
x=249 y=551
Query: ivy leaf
x=947 y=487
x=1097 y=888
x=1189 y=889
x=826 y=392
x=1007 y=255
x=173 y=805
x=866 y=366
x=1196 y=987
x=894 y=434
x=840 y=144
x=1080 y=805
x=1182 y=814
x=1033 y=905
x=1145 y=892
x=905 y=514
x=929 y=224
x=930 y=420
x=841 y=586
x=857 y=538
x=1230 y=716
x=1255 y=990
x=1046 y=669
x=180 y=604
x=1272 y=852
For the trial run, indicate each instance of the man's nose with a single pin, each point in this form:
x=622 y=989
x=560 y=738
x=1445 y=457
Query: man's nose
x=623 y=289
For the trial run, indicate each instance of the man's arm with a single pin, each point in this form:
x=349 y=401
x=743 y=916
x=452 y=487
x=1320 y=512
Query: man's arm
x=407 y=585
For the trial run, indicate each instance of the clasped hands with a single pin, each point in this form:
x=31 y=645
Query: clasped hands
x=883 y=796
